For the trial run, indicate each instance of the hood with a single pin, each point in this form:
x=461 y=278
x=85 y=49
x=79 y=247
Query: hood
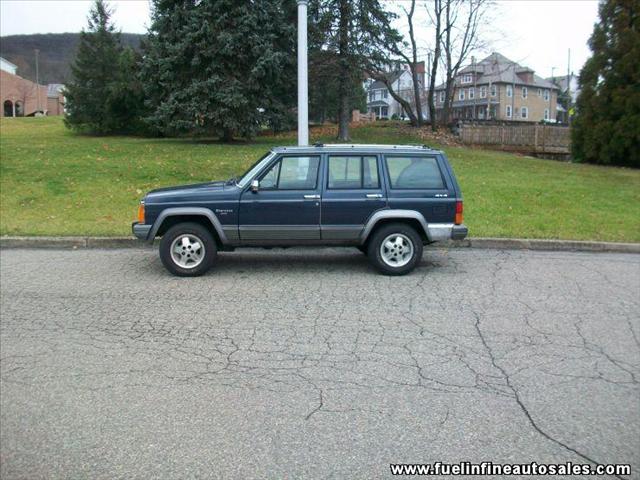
x=187 y=192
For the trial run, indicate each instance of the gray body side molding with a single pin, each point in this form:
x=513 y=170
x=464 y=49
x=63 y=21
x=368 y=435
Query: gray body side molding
x=197 y=211
x=393 y=214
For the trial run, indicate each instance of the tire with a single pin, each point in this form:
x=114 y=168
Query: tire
x=188 y=260
x=405 y=253
x=363 y=249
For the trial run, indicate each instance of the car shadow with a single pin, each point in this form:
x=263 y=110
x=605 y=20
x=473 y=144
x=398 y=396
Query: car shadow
x=311 y=260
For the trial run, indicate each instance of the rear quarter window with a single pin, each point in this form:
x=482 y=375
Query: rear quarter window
x=409 y=172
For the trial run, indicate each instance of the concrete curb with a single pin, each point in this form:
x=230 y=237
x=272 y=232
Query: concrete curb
x=486 y=243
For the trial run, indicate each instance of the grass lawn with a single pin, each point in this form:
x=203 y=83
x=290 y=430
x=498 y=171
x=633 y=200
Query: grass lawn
x=54 y=182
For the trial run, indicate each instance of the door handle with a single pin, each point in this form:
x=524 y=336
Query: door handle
x=312 y=197
x=374 y=195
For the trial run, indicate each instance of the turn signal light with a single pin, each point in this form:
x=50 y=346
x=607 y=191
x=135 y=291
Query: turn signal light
x=458 y=213
x=141 y=213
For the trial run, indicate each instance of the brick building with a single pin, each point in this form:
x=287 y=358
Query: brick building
x=21 y=97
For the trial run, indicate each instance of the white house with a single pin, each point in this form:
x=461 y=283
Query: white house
x=380 y=101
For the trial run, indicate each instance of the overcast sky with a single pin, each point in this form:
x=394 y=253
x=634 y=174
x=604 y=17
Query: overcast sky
x=536 y=33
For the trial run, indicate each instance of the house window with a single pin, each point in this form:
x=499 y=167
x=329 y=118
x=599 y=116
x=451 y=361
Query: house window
x=525 y=92
x=467 y=78
x=483 y=92
x=494 y=90
x=385 y=94
x=472 y=93
x=442 y=96
x=539 y=92
x=509 y=91
x=461 y=94
x=546 y=114
x=546 y=95
x=481 y=112
x=524 y=112
x=508 y=111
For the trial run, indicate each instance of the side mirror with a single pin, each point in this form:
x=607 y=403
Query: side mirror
x=255 y=186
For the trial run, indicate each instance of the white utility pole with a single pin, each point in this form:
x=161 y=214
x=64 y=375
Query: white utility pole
x=303 y=80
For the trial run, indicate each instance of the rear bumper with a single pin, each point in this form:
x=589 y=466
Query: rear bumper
x=141 y=230
x=446 y=231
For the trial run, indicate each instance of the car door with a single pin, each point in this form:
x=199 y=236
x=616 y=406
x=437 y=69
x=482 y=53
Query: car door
x=419 y=182
x=353 y=192
x=286 y=207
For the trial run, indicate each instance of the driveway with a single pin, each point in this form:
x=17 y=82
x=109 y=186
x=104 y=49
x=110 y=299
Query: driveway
x=305 y=363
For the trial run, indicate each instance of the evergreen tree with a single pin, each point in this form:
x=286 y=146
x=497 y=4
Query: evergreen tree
x=223 y=68
x=100 y=98
x=357 y=33
x=606 y=129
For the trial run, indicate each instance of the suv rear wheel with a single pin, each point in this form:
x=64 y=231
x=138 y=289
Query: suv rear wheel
x=395 y=249
x=188 y=250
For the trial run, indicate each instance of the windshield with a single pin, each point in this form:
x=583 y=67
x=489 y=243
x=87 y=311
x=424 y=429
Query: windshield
x=246 y=178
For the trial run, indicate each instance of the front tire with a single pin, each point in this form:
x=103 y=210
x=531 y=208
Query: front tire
x=395 y=249
x=188 y=250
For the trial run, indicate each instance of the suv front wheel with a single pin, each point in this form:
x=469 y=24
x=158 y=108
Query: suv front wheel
x=188 y=249
x=395 y=249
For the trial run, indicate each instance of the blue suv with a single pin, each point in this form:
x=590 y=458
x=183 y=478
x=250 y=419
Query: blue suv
x=388 y=201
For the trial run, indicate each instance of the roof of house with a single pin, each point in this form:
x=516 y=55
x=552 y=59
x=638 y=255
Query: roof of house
x=8 y=62
x=54 y=89
x=497 y=68
x=378 y=103
x=393 y=76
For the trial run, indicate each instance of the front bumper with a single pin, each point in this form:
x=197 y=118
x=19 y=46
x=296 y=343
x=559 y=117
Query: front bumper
x=141 y=230
x=438 y=232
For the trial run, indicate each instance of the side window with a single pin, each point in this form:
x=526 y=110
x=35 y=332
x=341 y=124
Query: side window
x=353 y=172
x=292 y=173
x=414 y=172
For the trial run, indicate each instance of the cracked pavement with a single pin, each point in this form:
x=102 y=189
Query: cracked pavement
x=307 y=364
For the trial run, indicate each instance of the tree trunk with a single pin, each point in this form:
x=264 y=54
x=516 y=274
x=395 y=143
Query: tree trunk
x=344 y=78
x=227 y=135
x=414 y=67
x=434 y=66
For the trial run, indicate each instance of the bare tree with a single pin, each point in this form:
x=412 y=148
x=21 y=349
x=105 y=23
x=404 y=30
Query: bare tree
x=436 y=19
x=460 y=37
x=396 y=54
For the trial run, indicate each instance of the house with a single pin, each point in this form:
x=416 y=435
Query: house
x=379 y=100
x=568 y=88
x=21 y=97
x=497 y=88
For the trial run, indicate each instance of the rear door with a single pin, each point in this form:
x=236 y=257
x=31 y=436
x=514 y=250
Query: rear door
x=420 y=182
x=352 y=193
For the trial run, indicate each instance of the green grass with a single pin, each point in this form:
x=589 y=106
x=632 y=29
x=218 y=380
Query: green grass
x=54 y=182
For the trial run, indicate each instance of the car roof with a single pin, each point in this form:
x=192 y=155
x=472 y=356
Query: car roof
x=363 y=148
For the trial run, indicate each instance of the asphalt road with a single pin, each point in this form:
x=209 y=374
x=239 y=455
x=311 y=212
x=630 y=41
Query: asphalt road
x=307 y=364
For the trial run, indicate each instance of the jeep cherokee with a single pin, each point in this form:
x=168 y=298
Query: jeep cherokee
x=388 y=201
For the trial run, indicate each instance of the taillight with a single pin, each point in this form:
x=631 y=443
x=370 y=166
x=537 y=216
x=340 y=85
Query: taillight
x=141 y=213
x=458 y=213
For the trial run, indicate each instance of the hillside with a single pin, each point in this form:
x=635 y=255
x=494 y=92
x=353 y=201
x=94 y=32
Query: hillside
x=57 y=51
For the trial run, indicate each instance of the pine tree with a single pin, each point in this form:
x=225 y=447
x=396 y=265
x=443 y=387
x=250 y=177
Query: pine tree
x=219 y=68
x=358 y=33
x=606 y=129
x=98 y=96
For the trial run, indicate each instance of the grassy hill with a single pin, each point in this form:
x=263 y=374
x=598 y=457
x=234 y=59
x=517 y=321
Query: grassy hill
x=57 y=51
x=54 y=182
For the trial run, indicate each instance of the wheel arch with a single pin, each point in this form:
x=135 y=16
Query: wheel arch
x=385 y=217
x=172 y=216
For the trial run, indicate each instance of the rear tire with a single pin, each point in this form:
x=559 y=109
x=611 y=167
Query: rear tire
x=395 y=249
x=188 y=250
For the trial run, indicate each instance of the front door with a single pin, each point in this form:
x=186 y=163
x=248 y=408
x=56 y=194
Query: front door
x=353 y=193
x=286 y=207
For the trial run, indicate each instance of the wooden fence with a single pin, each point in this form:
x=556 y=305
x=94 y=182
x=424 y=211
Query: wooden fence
x=528 y=138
